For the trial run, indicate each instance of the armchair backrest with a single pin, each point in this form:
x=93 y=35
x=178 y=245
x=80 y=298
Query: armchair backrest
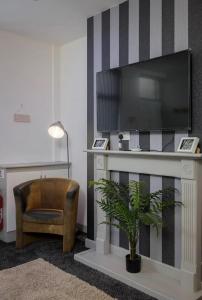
x=48 y=193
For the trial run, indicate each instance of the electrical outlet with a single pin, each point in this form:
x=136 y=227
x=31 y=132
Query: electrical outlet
x=126 y=135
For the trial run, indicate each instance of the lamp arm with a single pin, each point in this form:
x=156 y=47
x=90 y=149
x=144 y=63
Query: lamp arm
x=68 y=166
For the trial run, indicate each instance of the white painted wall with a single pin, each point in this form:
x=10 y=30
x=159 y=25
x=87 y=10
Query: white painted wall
x=49 y=83
x=73 y=113
x=27 y=85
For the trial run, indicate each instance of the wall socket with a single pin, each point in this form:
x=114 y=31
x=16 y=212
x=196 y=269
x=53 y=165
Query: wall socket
x=126 y=135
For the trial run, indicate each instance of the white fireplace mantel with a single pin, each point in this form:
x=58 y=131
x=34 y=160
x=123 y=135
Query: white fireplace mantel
x=157 y=279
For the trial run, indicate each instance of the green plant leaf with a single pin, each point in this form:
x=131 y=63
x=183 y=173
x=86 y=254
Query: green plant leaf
x=130 y=206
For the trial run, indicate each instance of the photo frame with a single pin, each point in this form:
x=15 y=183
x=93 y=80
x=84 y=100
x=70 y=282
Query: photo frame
x=188 y=144
x=100 y=144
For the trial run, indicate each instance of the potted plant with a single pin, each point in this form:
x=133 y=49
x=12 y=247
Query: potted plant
x=131 y=206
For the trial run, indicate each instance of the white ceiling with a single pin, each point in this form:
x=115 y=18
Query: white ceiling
x=55 y=21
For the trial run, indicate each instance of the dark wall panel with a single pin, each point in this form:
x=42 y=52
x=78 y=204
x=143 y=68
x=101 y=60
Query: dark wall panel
x=144 y=54
x=168 y=141
x=106 y=48
x=123 y=240
x=168 y=231
x=167 y=26
x=167 y=48
x=123 y=60
x=106 y=40
x=144 y=240
x=195 y=43
x=123 y=33
x=144 y=141
x=144 y=29
x=90 y=126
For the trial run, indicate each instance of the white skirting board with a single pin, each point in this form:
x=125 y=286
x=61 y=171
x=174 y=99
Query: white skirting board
x=8 y=237
x=153 y=279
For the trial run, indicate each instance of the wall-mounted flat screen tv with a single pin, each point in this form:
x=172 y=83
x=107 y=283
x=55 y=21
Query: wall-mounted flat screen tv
x=147 y=96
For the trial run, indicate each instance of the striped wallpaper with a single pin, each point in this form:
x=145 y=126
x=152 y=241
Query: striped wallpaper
x=134 y=31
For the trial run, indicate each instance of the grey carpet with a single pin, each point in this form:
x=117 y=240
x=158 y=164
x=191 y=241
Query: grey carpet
x=50 y=249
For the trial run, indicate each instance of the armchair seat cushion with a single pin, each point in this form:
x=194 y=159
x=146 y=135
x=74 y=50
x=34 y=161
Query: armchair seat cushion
x=44 y=216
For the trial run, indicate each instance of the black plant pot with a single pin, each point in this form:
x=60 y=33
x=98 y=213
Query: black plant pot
x=133 y=266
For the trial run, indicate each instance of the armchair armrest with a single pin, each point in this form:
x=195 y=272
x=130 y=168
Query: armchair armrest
x=72 y=191
x=21 y=192
x=70 y=215
x=71 y=196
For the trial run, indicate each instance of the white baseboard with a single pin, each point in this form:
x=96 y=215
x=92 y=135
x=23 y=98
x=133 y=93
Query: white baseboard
x=90 y=243
x=8 y=237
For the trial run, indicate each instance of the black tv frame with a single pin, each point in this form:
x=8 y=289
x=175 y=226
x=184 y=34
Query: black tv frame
x=189 y=127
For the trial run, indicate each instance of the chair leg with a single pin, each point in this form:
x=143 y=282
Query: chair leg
x=19 y=239
x=68 y=242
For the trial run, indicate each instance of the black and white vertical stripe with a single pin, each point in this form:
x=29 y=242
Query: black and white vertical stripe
x=133 y=31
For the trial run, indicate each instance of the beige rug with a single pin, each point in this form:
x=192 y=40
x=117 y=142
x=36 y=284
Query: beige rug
x=39 y=280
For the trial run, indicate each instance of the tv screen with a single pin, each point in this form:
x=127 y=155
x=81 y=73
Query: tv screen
x=146 y=96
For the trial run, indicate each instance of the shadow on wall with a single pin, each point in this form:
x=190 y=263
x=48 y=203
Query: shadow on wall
x=81 y=218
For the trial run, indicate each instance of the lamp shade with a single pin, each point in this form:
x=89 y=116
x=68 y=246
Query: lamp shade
x=56 y=130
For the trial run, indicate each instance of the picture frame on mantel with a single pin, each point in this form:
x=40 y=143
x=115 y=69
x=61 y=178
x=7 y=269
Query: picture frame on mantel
x=100 y=143
x=188 y=144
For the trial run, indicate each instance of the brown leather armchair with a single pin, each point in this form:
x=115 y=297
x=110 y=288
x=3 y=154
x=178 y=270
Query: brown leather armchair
x=46 y=206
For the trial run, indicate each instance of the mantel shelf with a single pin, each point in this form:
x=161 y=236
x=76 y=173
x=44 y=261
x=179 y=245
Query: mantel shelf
x=176 y=155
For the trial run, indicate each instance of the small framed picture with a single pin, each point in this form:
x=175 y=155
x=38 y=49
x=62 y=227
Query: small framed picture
x=188 y=144
x=100 y=144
